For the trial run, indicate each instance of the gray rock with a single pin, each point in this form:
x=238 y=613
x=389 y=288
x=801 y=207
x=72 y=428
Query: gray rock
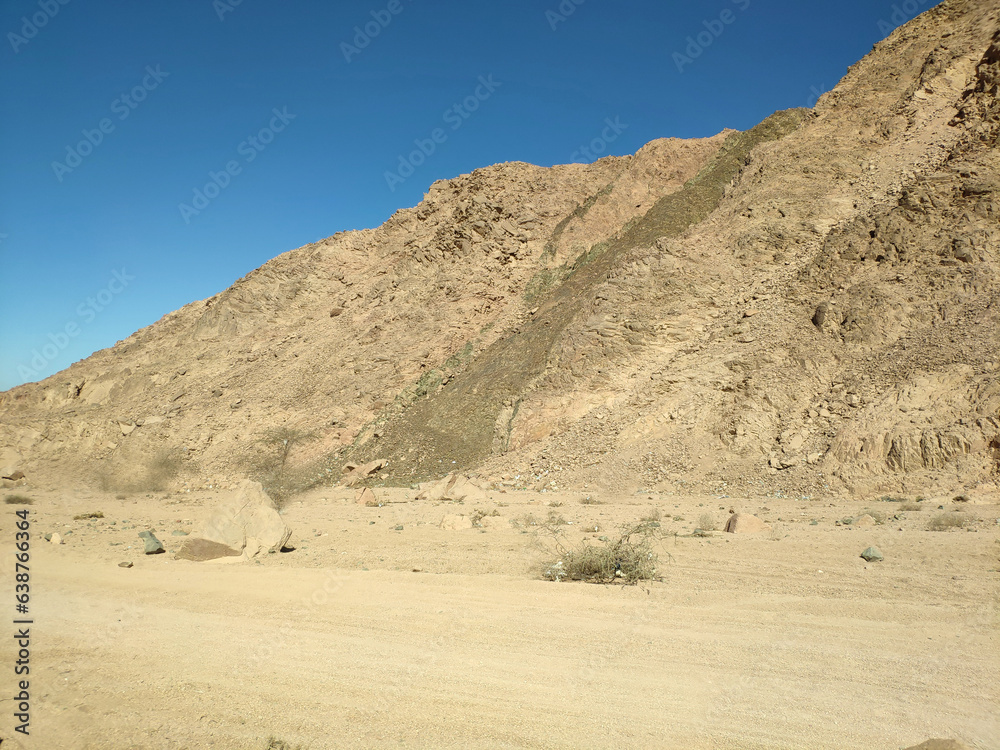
x=178 y=532
x=872 y=554
x=125 y=564
x=153 y=546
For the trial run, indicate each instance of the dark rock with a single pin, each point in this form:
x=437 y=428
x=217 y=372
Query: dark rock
x=153 y=546
x=872 y=554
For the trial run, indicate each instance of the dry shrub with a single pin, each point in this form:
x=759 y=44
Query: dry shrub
x=18 y=500
x=877 y=515
x=947 y=521
x=653 y=516
x=628 y=558
x=706 y=522
x=152 y=473
x=911 y=506
x=589 y=501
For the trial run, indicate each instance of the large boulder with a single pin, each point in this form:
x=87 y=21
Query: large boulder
x=453 y=488
x=745 y=523
x=248 y=524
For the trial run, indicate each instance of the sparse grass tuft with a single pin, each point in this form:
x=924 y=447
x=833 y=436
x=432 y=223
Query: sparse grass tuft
x=589 y=501
x=947 y=521
x=18 y=500
x=87 y=516
x=628 y=558
x=556 y=519
x=911 y=506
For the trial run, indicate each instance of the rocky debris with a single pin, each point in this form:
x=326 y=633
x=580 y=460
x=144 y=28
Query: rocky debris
x=202 y=550
x=872 y=554
x=745 y=523
x=55 y=538
x=354 y=474
x=127 y=428
x=863 y=522
x=14 y=475
x=248 y=523
x=367 y=497
x=455 y=522
x=939 y=745
x=125 y=564
x=152 y=545
x=453 y=488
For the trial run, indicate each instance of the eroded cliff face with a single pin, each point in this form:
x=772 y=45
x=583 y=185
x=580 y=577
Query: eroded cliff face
x=808 y=306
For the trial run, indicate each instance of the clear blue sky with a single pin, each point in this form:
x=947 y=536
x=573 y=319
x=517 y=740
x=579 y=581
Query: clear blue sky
x=173 y=92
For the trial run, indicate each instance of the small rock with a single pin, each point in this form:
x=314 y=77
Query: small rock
x=864 y=522
x=962 y=499
x=125 y=564
x=366 y=497
x=48 y=537
x=153 y=546
x=178 y=532
x=872 y=554
x=56 y=539
x=399 y=528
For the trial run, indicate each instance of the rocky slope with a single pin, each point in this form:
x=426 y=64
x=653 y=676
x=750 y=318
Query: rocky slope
x=808 y=306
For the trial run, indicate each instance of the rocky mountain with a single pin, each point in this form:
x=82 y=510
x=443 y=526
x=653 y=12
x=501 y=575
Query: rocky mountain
x=808 y=306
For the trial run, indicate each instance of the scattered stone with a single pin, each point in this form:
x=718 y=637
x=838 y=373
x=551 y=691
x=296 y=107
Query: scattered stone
x=48 y=537
x=153 y=546
x=872 y=554
x=452 y=522
x=127 y=428
x=55 y=539
x=249 y=522
x=453 y=488
x=178 y=532
x=354 y=474
x=745 y=523
x=125 y=564
x=962 y=499
x=864 y=522
x=14 y=475
x=399 y=528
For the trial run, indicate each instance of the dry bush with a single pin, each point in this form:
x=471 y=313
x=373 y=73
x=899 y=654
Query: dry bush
x=947 y=521
x=877 y=515
x=152 y=473
x=628 y=558
x=273 y=743
x=556 y=519
x=706 y=522
x=280 y=481
x=18 y=500
x=589 y=501
x=87 y=516
x=911 y=506
x=653 y=516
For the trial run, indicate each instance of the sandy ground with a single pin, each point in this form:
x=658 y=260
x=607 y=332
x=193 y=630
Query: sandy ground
x=367 y=636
